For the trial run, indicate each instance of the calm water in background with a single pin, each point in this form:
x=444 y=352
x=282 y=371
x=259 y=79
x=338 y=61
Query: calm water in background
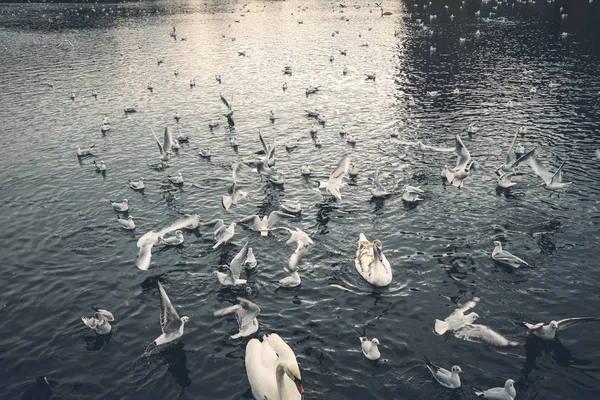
x=64 y=252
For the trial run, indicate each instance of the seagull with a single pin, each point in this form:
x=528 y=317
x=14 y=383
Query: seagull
x=127 y=223
x=552 y=181
x=350 y=139
x=284 y=86
x=370 y=77
x=379 y=191
x=293 y=280
x=173 y=240
x=223 y=233
x=245 y=314
x=120 y=207
x=100 y=166
x=449 y=379
x=84 y=152
x=299 y=237
x=233 y=196
x=268 y=149
x=507 y=392
x=422 y=147
x=176 y=179
x=464 y=163
x=165 y=148
x=272 y=117
x=412 y=194
x=234 y=269
x=170 y=322
x=512 y=160
x=333 y=185
x=312 y=114
x=204 y=152
x=218 y=78
x=548 y=331
x=250 y=262
x=176 y=116
x=229 y=114
x=100 y=321
x=371 y=263
x=265 y=224
x=305 y=170
x=137 y=185
x=504 y=257
x=151 y=238
x=369 y=347
x=482 y=334
x=129 y=109
x=352 y=170
x=312 y=90
x=292 y=206
x=105 y=127
x=456 y=320
x=192 y=83
x=504 y=181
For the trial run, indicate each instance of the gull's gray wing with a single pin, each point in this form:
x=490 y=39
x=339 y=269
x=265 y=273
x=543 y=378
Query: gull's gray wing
x=557 y=177
x=461 y=310
x=511 y=156
x=180 y=224
x=160 y=146
x=264 y=144
x=341 y=169
x=376 y=181
x=524 y=159
x=238 y=261
x=539 y=169
x=235 y=170
x=482 y=334
x=169 y=319
x=570 y=322
x=463 y=154
x=225 y=101
x=168 y=142
x=275 y=216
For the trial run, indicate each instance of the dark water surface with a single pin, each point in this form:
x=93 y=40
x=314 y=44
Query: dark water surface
x=64 y=252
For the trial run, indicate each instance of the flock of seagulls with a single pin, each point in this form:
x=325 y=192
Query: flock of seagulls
x=271 y=366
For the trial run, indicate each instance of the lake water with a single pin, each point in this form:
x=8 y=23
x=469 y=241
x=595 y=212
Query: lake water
x=64 y=252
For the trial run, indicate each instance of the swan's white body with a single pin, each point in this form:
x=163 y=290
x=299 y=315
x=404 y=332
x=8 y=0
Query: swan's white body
x=371 y=263
x=272 y=369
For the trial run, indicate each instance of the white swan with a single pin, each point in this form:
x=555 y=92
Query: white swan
x=272 y=369
x=371 y=263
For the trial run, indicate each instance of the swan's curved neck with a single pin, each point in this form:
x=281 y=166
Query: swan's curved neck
x=280 y=376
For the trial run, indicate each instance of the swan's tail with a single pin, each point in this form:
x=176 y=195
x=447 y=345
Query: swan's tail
x=440 y=327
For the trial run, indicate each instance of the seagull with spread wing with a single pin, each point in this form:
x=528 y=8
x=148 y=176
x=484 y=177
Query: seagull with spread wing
x=335 y=182
x=229 y=114
x=151 y=239
x=234 y=269
x=548 y=331
x=264 y=224
x=170 y=323
x=552 y=180
x=245 y=314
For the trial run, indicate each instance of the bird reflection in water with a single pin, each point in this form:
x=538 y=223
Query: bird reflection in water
x=536 y=347
x=173 y=355
x=95 y=342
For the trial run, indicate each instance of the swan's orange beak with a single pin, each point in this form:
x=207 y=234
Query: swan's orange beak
x=298 y=383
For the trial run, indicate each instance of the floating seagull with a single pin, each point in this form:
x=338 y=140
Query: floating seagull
x=482 y=334
x=449 y=379
x=371 y=263
x=129 y=109
x=284 y=86
x=548 y=331
x=250 y=262
x=552 y=181
x=272 y=369
x=299 y=237
x=272 y=117
x=137 y=185
x=100 y=321
x=305 y=170
x=176 y=116
x=292 y=206
x=100 y=166
x=170 y=322
x=422 y=147
x=456 y=320
x=245 y=314
x=192 y=83
x=218 y=78
x=265 y=224
x=352 y=170
x=84 y=152
x=293 y=280
x=151 y=238
x=504 y=180
x=504 y=257
x=234 y=269
x=369 y=347
x=350 y=139
x=379 y=191
x=104 y=128
x=507 y=392
x=127 y=223
x=370 y=77
x=173 y=240
x=287 y=70
x=333 y=185
x=312 y=114
x=312 y=90
x=456 y=92
x=205 y=152
x=120 y=207
x=412 y=194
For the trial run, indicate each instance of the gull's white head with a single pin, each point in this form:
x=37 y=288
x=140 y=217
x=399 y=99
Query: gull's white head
x=456 y=370
x=510 y=384
x=553 y=325
x=497 y=243
x=185 y=318
x=375 y=341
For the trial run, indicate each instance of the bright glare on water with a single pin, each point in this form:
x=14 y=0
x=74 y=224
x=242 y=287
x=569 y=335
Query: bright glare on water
x=481 y=70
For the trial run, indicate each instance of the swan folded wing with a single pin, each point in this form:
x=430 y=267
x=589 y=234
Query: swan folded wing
x=482 y=334
x=281 y=348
